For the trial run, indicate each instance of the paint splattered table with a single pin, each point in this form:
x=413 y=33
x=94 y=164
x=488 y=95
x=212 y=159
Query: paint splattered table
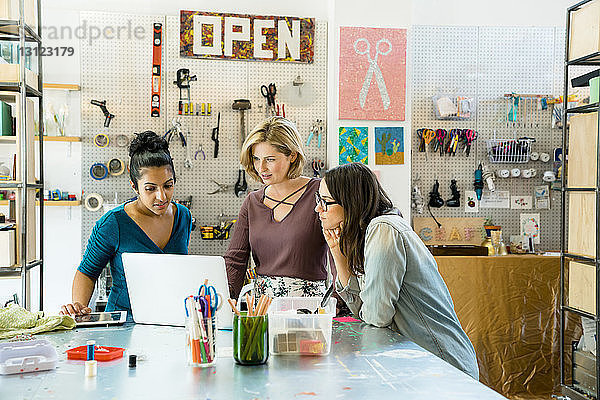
x=365 y=363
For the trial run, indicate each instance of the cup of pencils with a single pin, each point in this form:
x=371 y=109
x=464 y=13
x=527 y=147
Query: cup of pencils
x=251 y=332
x=201 y=330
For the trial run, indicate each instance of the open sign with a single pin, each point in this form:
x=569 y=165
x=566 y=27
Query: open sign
x=246 y=37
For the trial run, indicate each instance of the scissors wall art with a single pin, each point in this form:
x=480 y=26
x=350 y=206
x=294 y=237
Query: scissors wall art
x=363 y=47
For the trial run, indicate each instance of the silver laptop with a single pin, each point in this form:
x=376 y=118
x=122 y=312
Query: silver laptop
x=159 y=283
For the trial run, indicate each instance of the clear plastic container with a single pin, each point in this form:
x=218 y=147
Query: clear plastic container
x=200 y=340
x=250 y=339
x=300 y=334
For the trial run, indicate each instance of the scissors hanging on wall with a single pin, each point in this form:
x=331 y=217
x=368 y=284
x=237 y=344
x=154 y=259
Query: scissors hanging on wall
x=269 y=93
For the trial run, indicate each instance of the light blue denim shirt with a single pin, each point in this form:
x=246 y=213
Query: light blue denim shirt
x=402 y=289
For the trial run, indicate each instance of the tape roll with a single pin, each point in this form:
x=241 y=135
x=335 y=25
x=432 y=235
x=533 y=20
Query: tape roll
x=504 y=173
x=116 y=166
x=122 y=140
x=93 y=202
x=544 y=157
x=101 y=140
x=98 y=171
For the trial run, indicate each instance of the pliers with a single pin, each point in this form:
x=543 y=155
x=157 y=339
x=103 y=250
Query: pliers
x=175 y=128
x=222 y=187
x=315 y=127
x=201 y=152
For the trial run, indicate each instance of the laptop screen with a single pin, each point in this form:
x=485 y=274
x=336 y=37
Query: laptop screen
x=159 y=283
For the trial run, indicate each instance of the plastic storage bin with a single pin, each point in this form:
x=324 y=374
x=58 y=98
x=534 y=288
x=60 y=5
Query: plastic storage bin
x=300 y=334
x=27 y=356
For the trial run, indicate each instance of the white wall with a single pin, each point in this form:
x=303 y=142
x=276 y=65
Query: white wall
x=491 y=13
x=389 y=14
x=312 y=8
x=63 y=251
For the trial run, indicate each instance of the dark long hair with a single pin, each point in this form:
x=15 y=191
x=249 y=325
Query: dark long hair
x=148 y=149
x=356 y=188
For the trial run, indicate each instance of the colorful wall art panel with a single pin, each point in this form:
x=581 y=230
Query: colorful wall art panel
x=389 y=145
x=353 y=145
x=246 y=37
x=372 y=73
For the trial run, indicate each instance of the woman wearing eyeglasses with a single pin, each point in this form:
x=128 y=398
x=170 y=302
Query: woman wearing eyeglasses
x=277 y=223
x=385 y=274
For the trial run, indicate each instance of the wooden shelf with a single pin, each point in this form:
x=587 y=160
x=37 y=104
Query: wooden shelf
x=51 y=203
x=60 y=138
x=61 y=86
x=12 y=139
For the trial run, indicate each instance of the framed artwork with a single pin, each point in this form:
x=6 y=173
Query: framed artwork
x=372 y=73
x=353 y=145
x=530 y=226
x=389 y=145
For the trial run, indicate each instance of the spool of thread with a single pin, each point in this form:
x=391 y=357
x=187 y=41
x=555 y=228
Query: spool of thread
x=91 y=368
x=91 y=344
x=132 y=360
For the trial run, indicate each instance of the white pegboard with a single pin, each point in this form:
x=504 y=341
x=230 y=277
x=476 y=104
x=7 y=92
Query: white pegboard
x=485 y=63
x=119 y=71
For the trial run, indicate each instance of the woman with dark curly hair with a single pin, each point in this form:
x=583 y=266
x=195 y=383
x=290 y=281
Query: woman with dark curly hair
x=149 y=223
x=385 y=274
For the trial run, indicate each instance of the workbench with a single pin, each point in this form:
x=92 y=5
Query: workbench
x=365 y=363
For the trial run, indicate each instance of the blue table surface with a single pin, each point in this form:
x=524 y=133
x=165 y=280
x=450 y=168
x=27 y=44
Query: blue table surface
x=365 y=362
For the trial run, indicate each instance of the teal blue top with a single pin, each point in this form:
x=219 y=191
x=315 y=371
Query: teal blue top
x=116 y=233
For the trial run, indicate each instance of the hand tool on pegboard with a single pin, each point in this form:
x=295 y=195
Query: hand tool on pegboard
x=107 y=116
x=156 y=70
x=176 y=128
x=215 y=136
x=223 y=187
x=269 y=93
x=183 y=83
x=241 y=105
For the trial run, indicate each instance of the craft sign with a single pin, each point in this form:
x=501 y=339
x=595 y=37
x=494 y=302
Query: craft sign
x=453 y=231
x=246 y=37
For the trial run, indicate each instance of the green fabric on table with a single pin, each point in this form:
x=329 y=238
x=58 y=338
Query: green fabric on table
x=15 y=320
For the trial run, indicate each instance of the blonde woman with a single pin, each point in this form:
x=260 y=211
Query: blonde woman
x=277 y=223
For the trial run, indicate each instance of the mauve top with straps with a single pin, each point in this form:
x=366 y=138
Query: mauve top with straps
x=293 y=247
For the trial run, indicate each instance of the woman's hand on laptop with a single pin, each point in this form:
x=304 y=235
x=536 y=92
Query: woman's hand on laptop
x=75 y=308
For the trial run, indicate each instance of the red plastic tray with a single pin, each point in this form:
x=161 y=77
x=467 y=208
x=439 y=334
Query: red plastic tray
x=101 y=353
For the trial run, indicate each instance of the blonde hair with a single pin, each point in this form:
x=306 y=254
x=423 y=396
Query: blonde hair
x=282 y=134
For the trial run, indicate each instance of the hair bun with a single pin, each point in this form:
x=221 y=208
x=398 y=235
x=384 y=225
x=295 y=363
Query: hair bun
x=147 y=141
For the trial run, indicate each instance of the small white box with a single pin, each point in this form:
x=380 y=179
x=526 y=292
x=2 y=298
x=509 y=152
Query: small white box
x=7 y=248
x=27 y=356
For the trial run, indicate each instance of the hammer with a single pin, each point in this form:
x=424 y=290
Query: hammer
x=241 y=105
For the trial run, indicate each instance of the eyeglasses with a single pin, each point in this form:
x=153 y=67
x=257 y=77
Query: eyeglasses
x=323 y=203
